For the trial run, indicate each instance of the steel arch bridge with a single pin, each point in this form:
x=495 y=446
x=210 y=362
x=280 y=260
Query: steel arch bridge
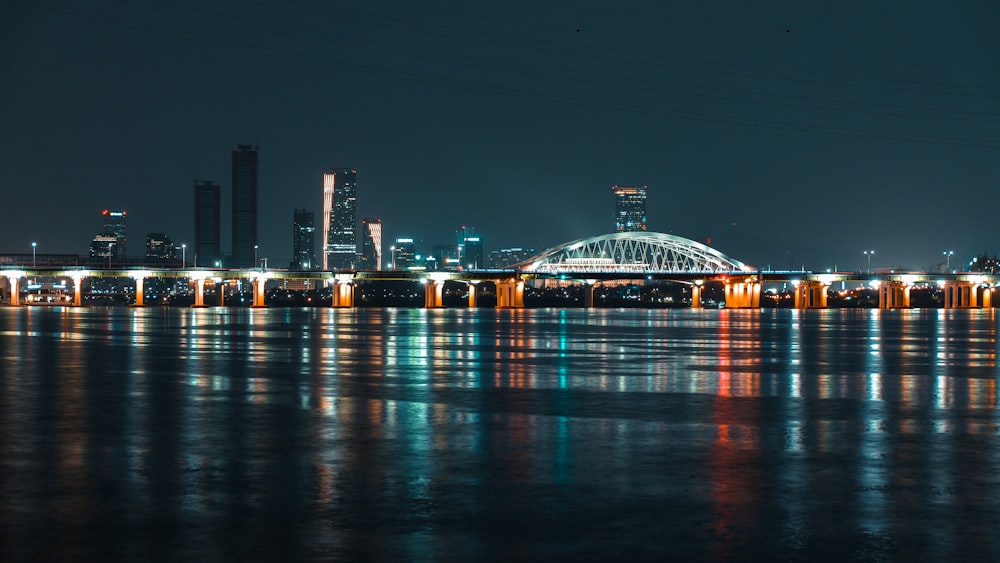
x=633 y=253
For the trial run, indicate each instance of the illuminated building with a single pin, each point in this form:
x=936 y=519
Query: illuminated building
x=244 y=206
x=630 y=208
x=303 y=240
x=504 y=257
x=445 y=257
x=159 y=248
x=404 y=254
x=339 y=219
x=114 y=224
x=207 y=230
x=102 y=246
x=371 y=244
x=470 y=248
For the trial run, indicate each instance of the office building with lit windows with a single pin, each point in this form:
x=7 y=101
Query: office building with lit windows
x=404 y=254
x=244 y=207
x=207 y=219
x=339 y=219
x=303 y=240
x=159 y=248
x=630 y=208
x=371 y=244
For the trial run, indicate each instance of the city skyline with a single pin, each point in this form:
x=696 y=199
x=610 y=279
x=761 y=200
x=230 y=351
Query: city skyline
x=784 y=134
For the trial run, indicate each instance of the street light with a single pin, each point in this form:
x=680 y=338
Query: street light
x=392 y=252
x=110 y=244
x=869 y=253
x=33 y=246
x=255 y=247
x=183 y=255
x=947 y=254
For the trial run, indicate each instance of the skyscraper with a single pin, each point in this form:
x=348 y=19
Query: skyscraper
x=303 y=240
x=339 y=220
x=114 y=225
x=630 y=208
x=404 y=254
x=207 y=231
x=371 y=244
x=244 y=205
x=470 y=248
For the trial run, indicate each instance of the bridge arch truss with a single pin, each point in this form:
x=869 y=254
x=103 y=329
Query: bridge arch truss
x=633 y=253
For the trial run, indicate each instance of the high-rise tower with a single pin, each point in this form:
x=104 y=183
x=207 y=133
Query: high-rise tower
x=115 y=225
x=207 y=218
x=244 y=205
x=371 y=244
x=303 y=240
x=339 y=219
x=630 y=208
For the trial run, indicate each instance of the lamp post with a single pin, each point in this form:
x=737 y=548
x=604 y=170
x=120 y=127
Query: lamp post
x=183 y=255
x=255 y=247
x=34 y=245
x=392 y=252
x=110 y=244
x=947 y=254
x=869 y=253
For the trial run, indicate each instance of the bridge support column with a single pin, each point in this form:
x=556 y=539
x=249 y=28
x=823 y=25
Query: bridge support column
x=743 y=295
x=696 y=295
x=472 y=295
x=258 y=293
x=77 y=290
x=893 y=295
x=14 y=282
x=588 y=295
x=433 y=294
x=510 y=294
x=342 y=295
x=139 y=292
x=987 y=297
x=199 y=294
x=220 y=288
x=959 y=295
x=810 y=295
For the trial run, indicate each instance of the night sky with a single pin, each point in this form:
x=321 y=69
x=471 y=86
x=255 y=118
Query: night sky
x=788 y=133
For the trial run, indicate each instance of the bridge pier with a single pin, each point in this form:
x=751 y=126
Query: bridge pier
x=987 y=298
x=959 y=295
x=258 y=292
x=696 y=295
x=77 y=289
x=472 y=295
x=199 y=294
x=14 y=282
x=510 y=294
x=434 y=294
x=743 y=295
x=139 y=291
x=810 y=295
x=893 y=295
x=220 y=288
x=342 y=295
x=588 y=295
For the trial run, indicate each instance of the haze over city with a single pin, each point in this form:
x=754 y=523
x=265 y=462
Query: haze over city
x=786 y=135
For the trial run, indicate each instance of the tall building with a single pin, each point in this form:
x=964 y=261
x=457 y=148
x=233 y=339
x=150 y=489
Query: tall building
x=159 y=248
x=339 y=220
x=244 y=206
x=114 y=224
x=473 y=254
x=371 y=244
x=207 y=219
x=303 y=240
x=404 y=254
x=630 y=208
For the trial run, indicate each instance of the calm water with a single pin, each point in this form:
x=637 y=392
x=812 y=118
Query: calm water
x=443 y=435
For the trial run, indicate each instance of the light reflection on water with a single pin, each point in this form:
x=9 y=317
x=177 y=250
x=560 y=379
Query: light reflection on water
x=533 y=434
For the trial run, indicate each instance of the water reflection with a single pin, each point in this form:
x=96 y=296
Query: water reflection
x=434 y=434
